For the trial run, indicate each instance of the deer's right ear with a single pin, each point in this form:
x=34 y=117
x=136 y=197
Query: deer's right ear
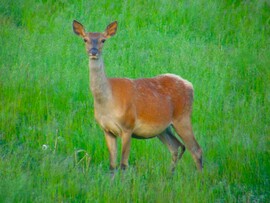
x=78 y=28
x=111 y=29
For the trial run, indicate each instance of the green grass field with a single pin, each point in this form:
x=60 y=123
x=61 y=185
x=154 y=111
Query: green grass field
x=51 y=148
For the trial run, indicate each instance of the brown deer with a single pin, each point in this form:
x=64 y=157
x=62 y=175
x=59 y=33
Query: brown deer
x=140 y=108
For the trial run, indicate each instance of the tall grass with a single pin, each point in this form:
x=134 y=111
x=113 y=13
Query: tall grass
x=52 y=150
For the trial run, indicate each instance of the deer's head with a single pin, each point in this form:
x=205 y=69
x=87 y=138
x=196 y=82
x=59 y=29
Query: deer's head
x=94 y=40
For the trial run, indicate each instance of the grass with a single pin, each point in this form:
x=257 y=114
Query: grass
x=52 y=150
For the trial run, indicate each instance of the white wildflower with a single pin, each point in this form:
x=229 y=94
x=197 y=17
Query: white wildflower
x=45 y=147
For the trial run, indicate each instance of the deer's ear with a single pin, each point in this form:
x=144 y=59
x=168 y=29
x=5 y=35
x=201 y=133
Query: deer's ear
x=111 y=29
x=78 y=28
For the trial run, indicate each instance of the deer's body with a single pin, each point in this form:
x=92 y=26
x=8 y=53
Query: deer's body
x=146 y=107
x=141 y=108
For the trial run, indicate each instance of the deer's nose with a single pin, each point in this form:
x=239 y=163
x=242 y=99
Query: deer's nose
x=94 y=51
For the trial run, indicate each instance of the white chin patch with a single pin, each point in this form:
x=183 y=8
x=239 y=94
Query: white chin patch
x=93 y=57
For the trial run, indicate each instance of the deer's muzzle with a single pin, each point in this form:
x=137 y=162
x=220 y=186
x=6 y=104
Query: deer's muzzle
x=93 y=52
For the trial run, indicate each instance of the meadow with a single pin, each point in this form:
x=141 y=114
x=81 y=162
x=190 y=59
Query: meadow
x=51 y=148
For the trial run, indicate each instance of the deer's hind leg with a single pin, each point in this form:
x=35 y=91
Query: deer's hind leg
x=183 y=128
x=173 y=144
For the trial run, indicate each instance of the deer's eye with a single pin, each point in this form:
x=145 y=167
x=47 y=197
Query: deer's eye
x=103 y=40
x=85 y=40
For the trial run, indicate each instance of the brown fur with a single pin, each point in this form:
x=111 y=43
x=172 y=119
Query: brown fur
x=141 y=108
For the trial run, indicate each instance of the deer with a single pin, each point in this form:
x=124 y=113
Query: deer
x=139 y=108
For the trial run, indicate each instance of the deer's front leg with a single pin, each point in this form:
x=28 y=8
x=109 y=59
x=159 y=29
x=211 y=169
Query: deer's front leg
x=112 y=147
x=126 y=142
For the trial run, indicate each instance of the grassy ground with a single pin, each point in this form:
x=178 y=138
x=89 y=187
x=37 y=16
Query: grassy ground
x=51 y=149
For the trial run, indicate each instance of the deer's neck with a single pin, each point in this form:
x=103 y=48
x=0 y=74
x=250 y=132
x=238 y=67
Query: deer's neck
x=99 y=83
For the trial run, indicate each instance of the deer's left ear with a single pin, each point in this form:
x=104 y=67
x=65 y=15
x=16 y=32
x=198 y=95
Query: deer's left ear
x=78 y=28
x=111 y=29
